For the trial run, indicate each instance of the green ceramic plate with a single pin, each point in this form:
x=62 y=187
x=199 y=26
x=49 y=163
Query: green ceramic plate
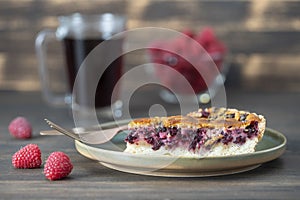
x=112 y=156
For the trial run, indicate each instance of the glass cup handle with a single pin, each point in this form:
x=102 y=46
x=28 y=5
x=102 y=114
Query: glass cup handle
x=41 y=42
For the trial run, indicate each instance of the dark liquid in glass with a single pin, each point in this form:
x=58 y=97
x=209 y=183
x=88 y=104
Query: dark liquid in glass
x=76 y=51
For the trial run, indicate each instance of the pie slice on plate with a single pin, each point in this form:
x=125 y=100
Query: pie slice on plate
x=206 y=132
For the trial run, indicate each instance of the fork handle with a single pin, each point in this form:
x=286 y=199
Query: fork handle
x=50 y=132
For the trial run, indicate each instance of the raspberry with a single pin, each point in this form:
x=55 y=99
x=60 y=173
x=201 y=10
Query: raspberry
x=188 y=32
x=20 y=128
x=206 y=37
x=58 y=166
x=27 y=157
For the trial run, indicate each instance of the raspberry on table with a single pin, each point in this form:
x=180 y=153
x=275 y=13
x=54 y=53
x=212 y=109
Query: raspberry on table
x=27 y=157
x=20 y=128
x=58 y=166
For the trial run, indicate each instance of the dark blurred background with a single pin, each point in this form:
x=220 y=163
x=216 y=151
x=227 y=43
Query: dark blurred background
x=263 y=36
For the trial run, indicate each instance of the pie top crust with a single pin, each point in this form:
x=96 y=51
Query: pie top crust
x=203 y=118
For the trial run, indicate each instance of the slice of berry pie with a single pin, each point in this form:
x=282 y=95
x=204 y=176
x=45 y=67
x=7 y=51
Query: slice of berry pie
x=206 y=132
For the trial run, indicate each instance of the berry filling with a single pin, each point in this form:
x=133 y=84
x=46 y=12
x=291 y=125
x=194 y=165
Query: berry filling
x=190 y=138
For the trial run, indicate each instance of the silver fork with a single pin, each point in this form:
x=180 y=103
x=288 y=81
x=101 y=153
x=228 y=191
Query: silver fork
x=90 y=137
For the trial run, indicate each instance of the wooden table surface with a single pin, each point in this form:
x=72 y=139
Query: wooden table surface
x=278 y=179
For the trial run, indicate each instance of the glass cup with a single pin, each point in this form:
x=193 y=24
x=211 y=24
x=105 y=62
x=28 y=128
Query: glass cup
x=94 y=61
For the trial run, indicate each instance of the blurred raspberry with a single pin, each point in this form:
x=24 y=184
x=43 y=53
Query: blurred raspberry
x=20 y=128
x=205 y=37
x=188 y=32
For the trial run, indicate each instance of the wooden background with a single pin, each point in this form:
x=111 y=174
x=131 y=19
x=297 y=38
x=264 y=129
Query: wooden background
x=263 y=36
